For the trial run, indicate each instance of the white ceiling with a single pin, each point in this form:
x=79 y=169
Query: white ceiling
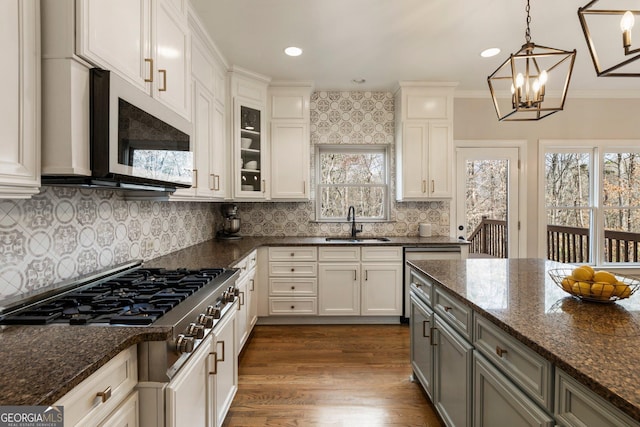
x=386 y=41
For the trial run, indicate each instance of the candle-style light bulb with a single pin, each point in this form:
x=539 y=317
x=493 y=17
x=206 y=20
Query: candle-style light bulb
x=519 y=80
x=544 y=76
x=626 y=24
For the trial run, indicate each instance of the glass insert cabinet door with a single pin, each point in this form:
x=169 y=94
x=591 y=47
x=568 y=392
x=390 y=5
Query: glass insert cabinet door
x=252 y=179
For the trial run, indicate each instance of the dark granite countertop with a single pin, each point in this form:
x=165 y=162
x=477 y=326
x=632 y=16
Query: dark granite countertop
x=225 y=253
x=40 y=364
x=593 y=342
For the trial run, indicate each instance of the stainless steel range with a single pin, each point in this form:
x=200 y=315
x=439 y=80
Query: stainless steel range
x=189 y=302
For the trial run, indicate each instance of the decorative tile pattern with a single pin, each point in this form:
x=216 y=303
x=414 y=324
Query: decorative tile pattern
x=63 y=232
x=345 y=118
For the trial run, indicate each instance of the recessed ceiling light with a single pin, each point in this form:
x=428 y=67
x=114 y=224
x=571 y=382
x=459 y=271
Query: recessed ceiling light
x=488 y=53
x=293 y=51
x=358 y=81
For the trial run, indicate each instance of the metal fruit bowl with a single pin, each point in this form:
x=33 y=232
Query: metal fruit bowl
x=590 y=290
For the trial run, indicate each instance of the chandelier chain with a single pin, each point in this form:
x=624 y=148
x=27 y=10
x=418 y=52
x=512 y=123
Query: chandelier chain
x=527 y=33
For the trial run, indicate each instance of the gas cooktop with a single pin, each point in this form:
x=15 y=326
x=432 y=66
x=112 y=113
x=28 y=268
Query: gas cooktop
x=137 y=297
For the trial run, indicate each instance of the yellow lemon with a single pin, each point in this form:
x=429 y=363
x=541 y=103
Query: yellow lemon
x=582 y=273
x=588 y=267
x=567 y=283
x=622 y=290
x=602 y=290
x=581 y=288
x=604 y=276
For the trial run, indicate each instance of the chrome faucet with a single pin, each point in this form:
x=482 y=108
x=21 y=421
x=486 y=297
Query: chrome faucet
x=351 y=216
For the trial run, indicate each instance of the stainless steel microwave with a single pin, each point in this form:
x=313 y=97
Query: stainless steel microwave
x=136 y=143
x=134 y=137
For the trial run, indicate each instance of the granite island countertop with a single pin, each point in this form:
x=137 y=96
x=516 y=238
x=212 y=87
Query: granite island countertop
x=593 y=342
x=40 y=364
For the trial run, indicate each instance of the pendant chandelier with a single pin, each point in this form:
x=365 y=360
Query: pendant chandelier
x=537 y=78
x=609 y=39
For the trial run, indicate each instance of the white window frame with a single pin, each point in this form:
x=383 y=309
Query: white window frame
x=351 y=148
x=596 y=148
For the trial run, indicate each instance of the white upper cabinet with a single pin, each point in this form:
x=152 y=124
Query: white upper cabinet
x=20 y=103
x=424 y=138
x=144 y=41
x=250 y=159
x=289 y=140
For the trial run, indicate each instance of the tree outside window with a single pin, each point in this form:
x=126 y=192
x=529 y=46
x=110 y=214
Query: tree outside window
x=352 y=176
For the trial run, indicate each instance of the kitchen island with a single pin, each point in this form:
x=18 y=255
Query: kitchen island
x=594 y=343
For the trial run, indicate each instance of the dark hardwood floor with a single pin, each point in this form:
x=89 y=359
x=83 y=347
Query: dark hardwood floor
x=329 y=375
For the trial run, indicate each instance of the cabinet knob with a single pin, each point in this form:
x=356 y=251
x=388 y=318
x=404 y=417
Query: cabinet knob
x=293 y=307
x=293 y=287
x=293 y=254
x=293 y=269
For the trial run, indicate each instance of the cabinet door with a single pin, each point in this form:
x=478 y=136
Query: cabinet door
x=498 y=402
x=440 y=159
x=186 y=394
x=290 y=160
x=250 y=162
x=20 y=104
x=339 y=289
x=225 y=367
x=252 y=300
x=381 y=289
x=218 y=168
x=421 y=324
x=172 y=75
x=452 y=375
x=414 y=157
x=126 y=415
x=242 y=328
x=116 y=35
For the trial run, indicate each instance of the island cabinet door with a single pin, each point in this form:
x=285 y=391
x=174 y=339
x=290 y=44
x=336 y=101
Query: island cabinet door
x=498 y=402
x=452 y=375
x=421 y=321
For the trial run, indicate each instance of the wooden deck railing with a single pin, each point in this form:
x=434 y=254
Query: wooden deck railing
x=490 y=238
x=564 y=244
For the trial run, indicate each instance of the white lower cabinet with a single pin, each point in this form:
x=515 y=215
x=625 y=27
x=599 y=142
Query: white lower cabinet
x=339 y=289
x=355 y=281
x=125 y=415
x=452 y=360
x=498 y=402
x=223 y=376
x=187 y=394
x=98 y=399
x=293 y=281
x=248 y=305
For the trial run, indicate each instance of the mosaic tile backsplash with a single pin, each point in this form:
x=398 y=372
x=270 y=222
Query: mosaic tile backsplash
x=65 y=232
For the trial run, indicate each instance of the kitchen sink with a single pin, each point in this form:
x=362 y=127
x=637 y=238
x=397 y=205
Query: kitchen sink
x=358 y=239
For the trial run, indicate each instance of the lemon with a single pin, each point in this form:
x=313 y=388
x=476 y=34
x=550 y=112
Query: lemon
x=567 y=283
x=602 y=290
x=582 y=273
x=581 y=288
x=604 y=276
x=588 y=267
x=622 y=290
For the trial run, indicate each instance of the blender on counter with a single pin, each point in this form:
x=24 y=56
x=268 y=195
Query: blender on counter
x=231 y=223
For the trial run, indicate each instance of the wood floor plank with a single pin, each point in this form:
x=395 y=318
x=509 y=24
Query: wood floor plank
x=329 y=375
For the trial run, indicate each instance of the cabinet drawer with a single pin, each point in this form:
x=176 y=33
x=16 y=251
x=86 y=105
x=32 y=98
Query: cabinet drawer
x=382 y=253
x=293 y=269
x=295 y=253
x=293 y=306
x=425 y=285
x=532 y=372
x=330 y=253
x=246 y=264
x=576 y=405
x=455 y=313
x=84 y=405
x=284 y=286
x=127 y=414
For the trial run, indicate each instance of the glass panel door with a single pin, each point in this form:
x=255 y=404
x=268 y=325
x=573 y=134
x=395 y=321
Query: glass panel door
x=251 y=179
